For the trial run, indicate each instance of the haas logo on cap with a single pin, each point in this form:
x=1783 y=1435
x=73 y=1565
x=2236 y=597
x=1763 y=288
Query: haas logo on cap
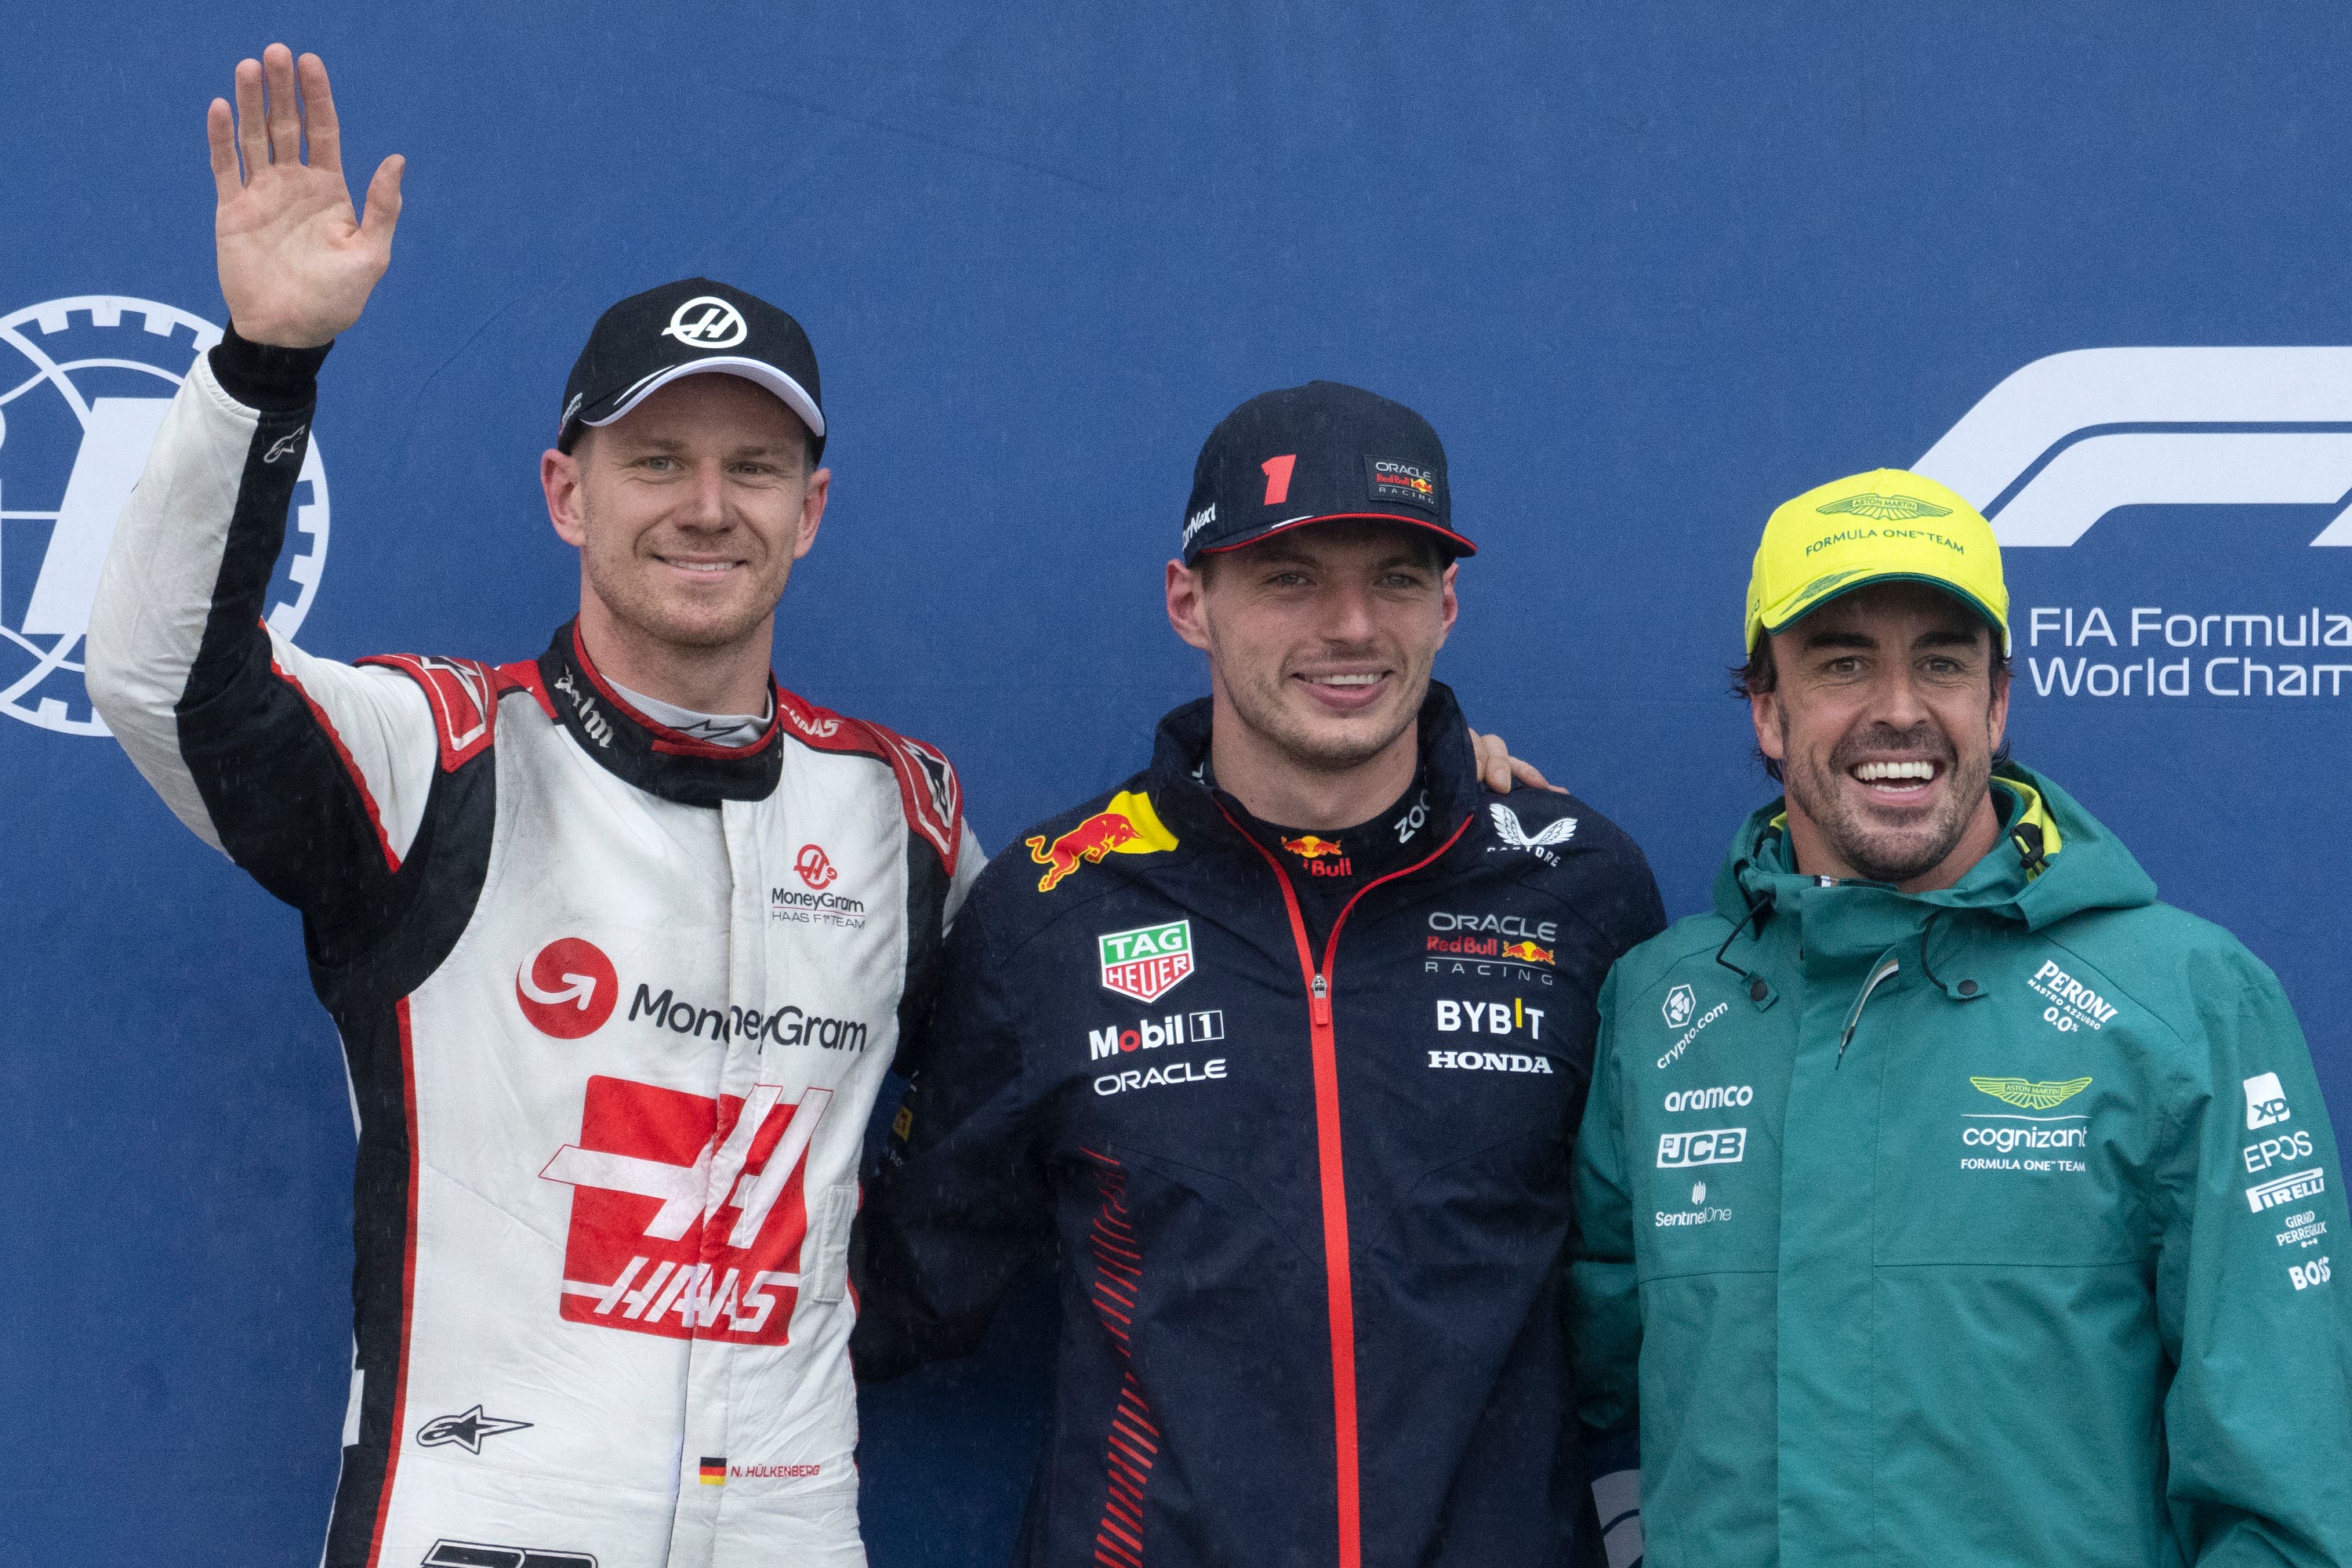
x=567 y=988
x=706 y=321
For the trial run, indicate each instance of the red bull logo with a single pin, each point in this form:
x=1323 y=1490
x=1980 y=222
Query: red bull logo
x=1127 y=826
x=1308 y=846
x=1527 y=952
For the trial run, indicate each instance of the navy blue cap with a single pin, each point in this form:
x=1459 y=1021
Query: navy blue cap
x=1316 y=454
x=691 y=327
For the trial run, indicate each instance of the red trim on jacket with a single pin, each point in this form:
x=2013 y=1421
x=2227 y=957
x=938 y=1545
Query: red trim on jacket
x=407 y=1288
x=350 y=765
x=1131 y=1446
x=463 y=693
x=1331 y=1167
x=676 y=742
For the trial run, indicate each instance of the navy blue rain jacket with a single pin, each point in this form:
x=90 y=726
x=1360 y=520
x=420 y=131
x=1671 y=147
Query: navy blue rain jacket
x=1311 y=1187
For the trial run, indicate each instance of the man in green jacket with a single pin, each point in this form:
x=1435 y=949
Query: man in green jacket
x=1943 y=1196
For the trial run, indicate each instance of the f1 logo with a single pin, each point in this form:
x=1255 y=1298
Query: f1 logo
x=2067 y=439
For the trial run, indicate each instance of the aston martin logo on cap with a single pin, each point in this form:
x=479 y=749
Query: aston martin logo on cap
x=706 y=321
x=1884 y=509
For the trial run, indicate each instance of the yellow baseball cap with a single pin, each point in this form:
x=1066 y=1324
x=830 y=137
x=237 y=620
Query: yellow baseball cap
x=1887 y=525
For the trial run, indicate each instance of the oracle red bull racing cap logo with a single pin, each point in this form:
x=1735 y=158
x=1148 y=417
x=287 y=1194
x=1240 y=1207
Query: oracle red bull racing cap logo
x=1148 y=962
x=689 y=1215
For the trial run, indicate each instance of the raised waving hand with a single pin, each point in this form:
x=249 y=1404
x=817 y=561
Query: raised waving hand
x=296 y=263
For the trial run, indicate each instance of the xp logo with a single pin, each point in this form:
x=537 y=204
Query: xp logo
x=1680 y=1003
x=76 y=421
x=706 y=321
x=567 y=988
x=2069 y=438
x=2265 y=1100
x=815 y=869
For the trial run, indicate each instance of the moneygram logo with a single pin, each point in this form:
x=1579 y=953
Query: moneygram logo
x=77 y=419
x=567 y=988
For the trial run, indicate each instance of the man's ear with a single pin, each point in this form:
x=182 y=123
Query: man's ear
x=558 y=476
x=1187 y=595
x=820 y=486
x=1764 y=712
x=1997 y=714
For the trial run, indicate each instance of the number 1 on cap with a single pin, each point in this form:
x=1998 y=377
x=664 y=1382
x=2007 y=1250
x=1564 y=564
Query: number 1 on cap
x=1277 y=477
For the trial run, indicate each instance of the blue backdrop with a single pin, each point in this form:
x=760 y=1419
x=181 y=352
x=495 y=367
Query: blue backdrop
x=1649 y=270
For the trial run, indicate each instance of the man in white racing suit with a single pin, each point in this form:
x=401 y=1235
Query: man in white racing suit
x=618 y=938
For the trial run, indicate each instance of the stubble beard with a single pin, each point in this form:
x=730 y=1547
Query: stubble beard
x=1881 y=854
x=634 y=603
x=1259 y=706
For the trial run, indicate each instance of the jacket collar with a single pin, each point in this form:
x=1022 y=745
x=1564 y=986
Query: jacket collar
x=1180 y=793
x=2054 y=859
x=649 y=755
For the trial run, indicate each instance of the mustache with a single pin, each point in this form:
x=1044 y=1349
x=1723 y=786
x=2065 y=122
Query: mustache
x=1923 y=738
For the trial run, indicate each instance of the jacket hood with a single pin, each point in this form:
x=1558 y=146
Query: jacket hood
x=2054 y=860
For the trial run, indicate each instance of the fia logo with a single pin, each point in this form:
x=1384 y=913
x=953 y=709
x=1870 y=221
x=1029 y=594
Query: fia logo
x=706 y=321
x=74 y=435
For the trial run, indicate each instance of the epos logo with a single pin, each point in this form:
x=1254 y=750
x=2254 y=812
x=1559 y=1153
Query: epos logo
x=1717 y=1146
x=2265 y=1100
x=76 y=420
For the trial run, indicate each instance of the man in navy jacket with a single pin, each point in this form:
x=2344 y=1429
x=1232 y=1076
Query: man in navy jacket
x=1286 y=1040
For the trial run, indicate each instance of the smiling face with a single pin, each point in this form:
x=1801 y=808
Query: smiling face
x=1886 y=706
x=1321 y=641
x=689 y=512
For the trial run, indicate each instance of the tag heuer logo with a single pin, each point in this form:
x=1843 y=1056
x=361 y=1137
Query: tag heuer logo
x=2027 y=1096
x=1680 y=1003
x=1148 y=961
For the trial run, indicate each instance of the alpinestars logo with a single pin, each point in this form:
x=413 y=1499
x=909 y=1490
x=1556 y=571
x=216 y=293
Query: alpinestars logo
x=77 y=419
x=689 y=1216
x=466 y=1431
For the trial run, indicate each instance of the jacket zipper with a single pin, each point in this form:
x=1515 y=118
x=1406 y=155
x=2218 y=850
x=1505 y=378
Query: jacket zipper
x=1338 y=1284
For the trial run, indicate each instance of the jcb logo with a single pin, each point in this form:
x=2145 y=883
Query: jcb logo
x=1717 y=1146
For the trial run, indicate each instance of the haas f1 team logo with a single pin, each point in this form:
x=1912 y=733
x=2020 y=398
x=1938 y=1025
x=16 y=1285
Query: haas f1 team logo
x=688 y=1215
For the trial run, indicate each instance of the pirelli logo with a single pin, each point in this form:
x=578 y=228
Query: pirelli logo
x=2286 y=1190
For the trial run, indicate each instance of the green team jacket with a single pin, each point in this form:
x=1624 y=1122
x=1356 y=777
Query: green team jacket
x=1998 y=1224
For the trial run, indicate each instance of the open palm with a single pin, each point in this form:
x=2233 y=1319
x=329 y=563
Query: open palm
x=296 y=263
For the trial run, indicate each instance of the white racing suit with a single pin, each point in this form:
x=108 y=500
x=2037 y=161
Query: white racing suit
x=615 y=1004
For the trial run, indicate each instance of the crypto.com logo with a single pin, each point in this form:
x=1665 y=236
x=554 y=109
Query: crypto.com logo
x=75 y=426
x=2069 y=438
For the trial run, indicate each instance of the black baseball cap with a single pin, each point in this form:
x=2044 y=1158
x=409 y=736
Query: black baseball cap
x=1315 y=453
x=688 y=328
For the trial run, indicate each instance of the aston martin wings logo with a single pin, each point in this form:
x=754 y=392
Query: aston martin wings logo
x=1514 y=836
x=1885 y=508
x=2031 y=1095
